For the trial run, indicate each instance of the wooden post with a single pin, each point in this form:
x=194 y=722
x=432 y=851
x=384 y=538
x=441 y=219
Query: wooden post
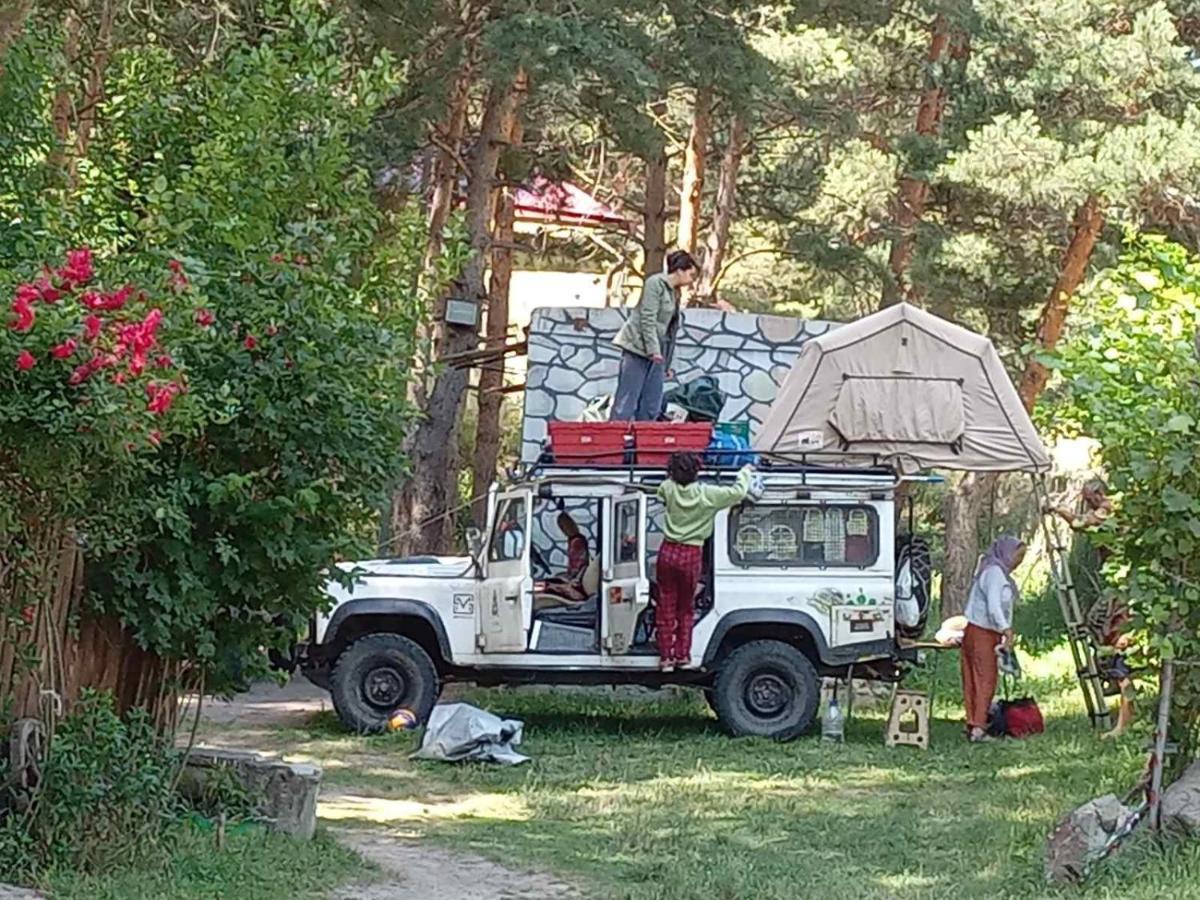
x=1166 y=685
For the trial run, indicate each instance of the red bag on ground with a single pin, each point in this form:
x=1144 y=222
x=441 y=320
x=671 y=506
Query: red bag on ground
x=1022 y=717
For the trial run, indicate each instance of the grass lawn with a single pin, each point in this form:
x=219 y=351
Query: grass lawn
x=252 y=866
x=646 y=799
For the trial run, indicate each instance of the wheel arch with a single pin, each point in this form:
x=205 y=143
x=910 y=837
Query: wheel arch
x=413 y=619
x=788 y=625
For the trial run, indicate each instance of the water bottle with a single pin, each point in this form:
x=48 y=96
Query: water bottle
x=833 y=725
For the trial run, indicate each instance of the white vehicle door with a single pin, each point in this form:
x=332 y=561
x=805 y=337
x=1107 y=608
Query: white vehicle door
x=625 y=587
x=506 y=592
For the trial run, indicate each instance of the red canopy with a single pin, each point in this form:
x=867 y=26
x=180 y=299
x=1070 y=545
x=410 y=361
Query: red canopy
x=563 y=203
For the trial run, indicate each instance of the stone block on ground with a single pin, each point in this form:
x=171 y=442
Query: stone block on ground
x=286 y=793
x=10 y=892
x=1181 y=802
x=1080 y=838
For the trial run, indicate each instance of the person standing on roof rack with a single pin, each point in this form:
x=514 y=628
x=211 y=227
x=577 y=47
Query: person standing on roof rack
x=989 y=615
x=647 y=341
x=690 y=511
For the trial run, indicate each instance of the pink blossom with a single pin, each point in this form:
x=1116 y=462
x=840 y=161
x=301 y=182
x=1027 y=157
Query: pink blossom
x=65 y=349
x=78 y=269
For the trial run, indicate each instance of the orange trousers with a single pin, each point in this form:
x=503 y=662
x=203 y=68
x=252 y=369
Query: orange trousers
x=979 y=673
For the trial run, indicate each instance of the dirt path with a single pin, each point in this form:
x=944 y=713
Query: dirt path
x=422 y=872
x=412 y=869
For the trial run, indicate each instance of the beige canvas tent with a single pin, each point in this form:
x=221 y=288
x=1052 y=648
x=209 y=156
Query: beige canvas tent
x=905 y=388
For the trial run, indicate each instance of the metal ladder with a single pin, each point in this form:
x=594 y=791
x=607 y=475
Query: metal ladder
x=1083 y=647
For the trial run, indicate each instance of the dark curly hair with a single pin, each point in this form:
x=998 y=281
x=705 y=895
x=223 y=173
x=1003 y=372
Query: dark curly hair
x=683 y=467
x=680 y=261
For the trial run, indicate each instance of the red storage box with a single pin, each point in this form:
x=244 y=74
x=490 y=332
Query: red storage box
x=656 y=441
x=589 y=443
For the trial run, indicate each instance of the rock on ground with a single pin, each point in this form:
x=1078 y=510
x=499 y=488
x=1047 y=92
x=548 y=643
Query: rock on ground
x=1080 y=838
x=418 y=871
x=8 y=892
x=1181 y=802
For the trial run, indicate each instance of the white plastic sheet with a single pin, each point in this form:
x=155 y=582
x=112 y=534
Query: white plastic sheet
x=459 y=731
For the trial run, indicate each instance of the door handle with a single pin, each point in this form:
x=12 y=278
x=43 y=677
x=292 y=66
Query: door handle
x=514 y=598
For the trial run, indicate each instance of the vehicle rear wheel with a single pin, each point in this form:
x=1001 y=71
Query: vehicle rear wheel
x=767 y=689
x=379 y=674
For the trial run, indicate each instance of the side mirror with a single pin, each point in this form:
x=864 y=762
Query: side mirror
x=474 y=541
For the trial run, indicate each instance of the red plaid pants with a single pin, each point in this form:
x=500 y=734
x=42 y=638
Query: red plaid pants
x=678 y=571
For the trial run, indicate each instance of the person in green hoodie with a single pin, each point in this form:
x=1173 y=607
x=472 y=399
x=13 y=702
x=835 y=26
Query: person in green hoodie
x=691 y=509
x=647 y=341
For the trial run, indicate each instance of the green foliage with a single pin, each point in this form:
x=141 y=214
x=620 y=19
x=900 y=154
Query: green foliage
x=1130 y=379
x=256 y=865
x=644 y=798
x=291 y=308
x=105 y=797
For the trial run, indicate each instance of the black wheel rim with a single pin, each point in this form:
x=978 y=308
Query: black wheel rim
x=383 y=687
x=768 y=694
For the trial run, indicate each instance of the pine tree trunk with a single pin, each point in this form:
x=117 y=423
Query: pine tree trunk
x=963 y=513
x=968 y=500
x=430 y=495
x=445 y=174
x=913 y=192
x=691 y=194
x=1089 y=221
x=654 y=214
x=491 y=376
x=718 y=238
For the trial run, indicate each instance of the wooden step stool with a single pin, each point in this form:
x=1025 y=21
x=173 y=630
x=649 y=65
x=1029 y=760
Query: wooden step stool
x=909 y=708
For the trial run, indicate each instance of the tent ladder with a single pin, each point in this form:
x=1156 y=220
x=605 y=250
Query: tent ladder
x=1083 y=647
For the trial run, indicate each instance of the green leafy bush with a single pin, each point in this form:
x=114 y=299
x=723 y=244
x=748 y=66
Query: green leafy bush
x=234 y=185
x=1131 y=381
x=104 y=800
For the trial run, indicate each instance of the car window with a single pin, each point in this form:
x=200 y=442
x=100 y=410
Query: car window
x=508 y=540
x=626 y=533
x=819 y=535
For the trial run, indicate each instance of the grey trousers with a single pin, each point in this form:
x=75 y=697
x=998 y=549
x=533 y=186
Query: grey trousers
x=639 y=394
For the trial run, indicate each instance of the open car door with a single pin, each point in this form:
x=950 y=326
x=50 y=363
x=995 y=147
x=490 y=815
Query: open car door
x=506 y=592
x=625 y=588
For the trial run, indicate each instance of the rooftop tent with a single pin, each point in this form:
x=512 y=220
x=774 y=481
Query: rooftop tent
x=907 y=388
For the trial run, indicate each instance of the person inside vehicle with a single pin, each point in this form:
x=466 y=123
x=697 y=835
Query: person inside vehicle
x=989 y=613
x=691 y=509
x=647 y=341
x=577 y=546
x=569 y=586
x=1107 y=616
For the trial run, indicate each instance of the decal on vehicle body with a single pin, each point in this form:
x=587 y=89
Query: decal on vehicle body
x=464 y=605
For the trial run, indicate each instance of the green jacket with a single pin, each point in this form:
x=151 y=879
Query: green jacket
x=692 y=509
x=649 y=325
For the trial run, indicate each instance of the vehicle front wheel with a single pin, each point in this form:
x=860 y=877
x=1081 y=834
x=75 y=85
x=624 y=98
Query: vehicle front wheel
x=766 y=689
x=379 y=674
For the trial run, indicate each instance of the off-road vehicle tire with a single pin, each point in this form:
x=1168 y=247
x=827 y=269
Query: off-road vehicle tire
x=379 y=674
x=766 y=689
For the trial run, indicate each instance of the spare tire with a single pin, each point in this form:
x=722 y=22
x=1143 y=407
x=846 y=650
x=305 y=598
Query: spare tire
x=914 y=576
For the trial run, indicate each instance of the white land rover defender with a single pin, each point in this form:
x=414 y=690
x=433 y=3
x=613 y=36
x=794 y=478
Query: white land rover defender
x=797 y=585
x=804 y=582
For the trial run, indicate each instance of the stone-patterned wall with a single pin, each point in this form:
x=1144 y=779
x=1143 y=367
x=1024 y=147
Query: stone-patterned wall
x=572 y=361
